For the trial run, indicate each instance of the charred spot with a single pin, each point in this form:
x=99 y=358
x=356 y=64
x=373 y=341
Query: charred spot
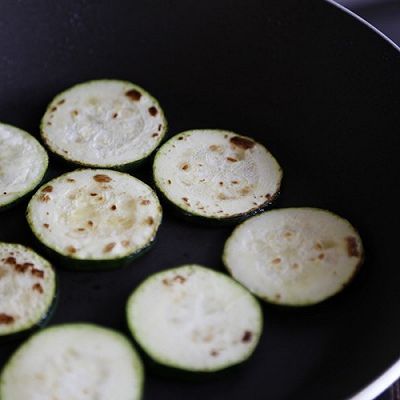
x=235 y=182
x=268 y=197
x=71 y=249
x=81 y=229
x=214 y=353
x=245 y=191
x=159 y=127
x=247 y=336
x=242 y=142
x=153 y=111
x=179 y=279
x=321 y=256
x=61 y=102
x=37 y=287
x=145 y=202
x=6 y=319
x=53 y=109
x=93 y=194
x=155 y=134
x=65 y=151
x=231 y=159
x=90 y=223
x=44 y=197
x=180 y=138
x=115 y=115
x=133 y=94
x=185 y=166
x=10 y=260
x=169 y=181
x=4 y=193
x=49 y=123
x=352 y=247
x=46 y=226
x=108 y=247
x=113 y=207
x=47 y=189
x=38 y=273
x=74 y=113
x=70 y=180
x=21 y=268
x=102 y=178
x=276 y=260
x=215 y=147
x=185 y=199
x=221 y=183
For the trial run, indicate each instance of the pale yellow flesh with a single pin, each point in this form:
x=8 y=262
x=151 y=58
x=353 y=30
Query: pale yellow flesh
x=99 y=124
x=212 y=174
x=27 y=288
x=194 y=318
x=95 y=214
x=23 y=162
x=74 y=362
x=294 y=256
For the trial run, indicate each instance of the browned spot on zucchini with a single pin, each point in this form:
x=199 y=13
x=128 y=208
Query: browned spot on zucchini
x=179 y=279
x=133 y=94
x=247 y=336
x=53 y=109
x=115 y=115
x=70 y=180
x=21 y=268
x=71 y=249
x=180 y=138
x=93 y=194
x=61 y=102
x=153 y=111
x=318 y=246
x=154 y=134
x=6 y=319
x=295 y=266
x=245 y=191
x=44 y=197
x=287 y=234
x=47 y=189
x=169 y=181
x=221 y=183
x=102 y=178
x=37 y=287
x=321 y=256
x=214 y=353
x=37 y=272
x=235 y=182
x=226 y=136
x=46 y=226
x=49 y=123
x=216 y=148
x=328 y=244
x=10 y=260
x=125 y=243
x=185 y=166
x=90 y=223
x=276 y=260
x=159 y=127
x=277 y=296
x=185 y=199
x=113 y=207
x=145 y=202
x=108 y=247
x=81 y=229
x=231 y=159
x=242 y=142
x=352 y=247
x=268 y=197
x=149 y=221
x=74 y=113
x=222 y=196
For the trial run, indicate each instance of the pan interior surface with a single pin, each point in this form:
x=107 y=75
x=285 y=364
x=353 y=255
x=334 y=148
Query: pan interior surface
x=317 y=87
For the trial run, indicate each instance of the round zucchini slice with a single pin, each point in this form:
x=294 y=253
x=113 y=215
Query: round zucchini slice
x=23 y=163
x=194 y=319
x=104 y=123
x=73 y=361
x=27 y=289
x=217 y=175
x=294 y=256
x=95 y=218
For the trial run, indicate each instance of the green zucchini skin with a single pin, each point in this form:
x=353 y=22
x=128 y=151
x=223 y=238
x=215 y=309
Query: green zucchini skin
x=126 y=167
x=46 y=316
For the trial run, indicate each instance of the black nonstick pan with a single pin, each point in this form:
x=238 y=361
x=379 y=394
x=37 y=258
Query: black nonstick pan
x=319 y=87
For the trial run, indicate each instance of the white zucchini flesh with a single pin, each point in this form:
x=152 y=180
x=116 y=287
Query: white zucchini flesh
x=216 y=174
x=94 y=214
x=74 y=362
x=103 y=123
x=27 y=288
x=195 y=319
x=23 y=163
x=294 y=256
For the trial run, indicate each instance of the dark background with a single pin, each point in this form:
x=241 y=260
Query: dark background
x=319 y=89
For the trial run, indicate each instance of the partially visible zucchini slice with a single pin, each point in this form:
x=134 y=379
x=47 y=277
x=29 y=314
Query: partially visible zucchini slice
x=294 y=256
x=104 y=123
x=95 y=217
x=23 y=163
x=217 y=175
x=194 y=319
x=27 y=289
x=74 y=362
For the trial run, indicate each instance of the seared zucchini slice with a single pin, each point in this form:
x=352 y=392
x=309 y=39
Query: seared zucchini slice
x=294 y=256
x=27 y=289
x=217 y=175
x=104 y=123
x=23 y=163
x=95 y=217
x=73 y=361
x=194 y=319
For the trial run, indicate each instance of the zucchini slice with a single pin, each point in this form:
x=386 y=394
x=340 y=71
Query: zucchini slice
x=27 y=289
x=73 y=361
x=294 y=256
x=217 y=175
x=95 y=217
x=194 y=319
x=104 y=123
x=23 y=163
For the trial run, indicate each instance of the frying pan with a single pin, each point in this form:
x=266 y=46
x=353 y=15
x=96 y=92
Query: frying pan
x=319 y=87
